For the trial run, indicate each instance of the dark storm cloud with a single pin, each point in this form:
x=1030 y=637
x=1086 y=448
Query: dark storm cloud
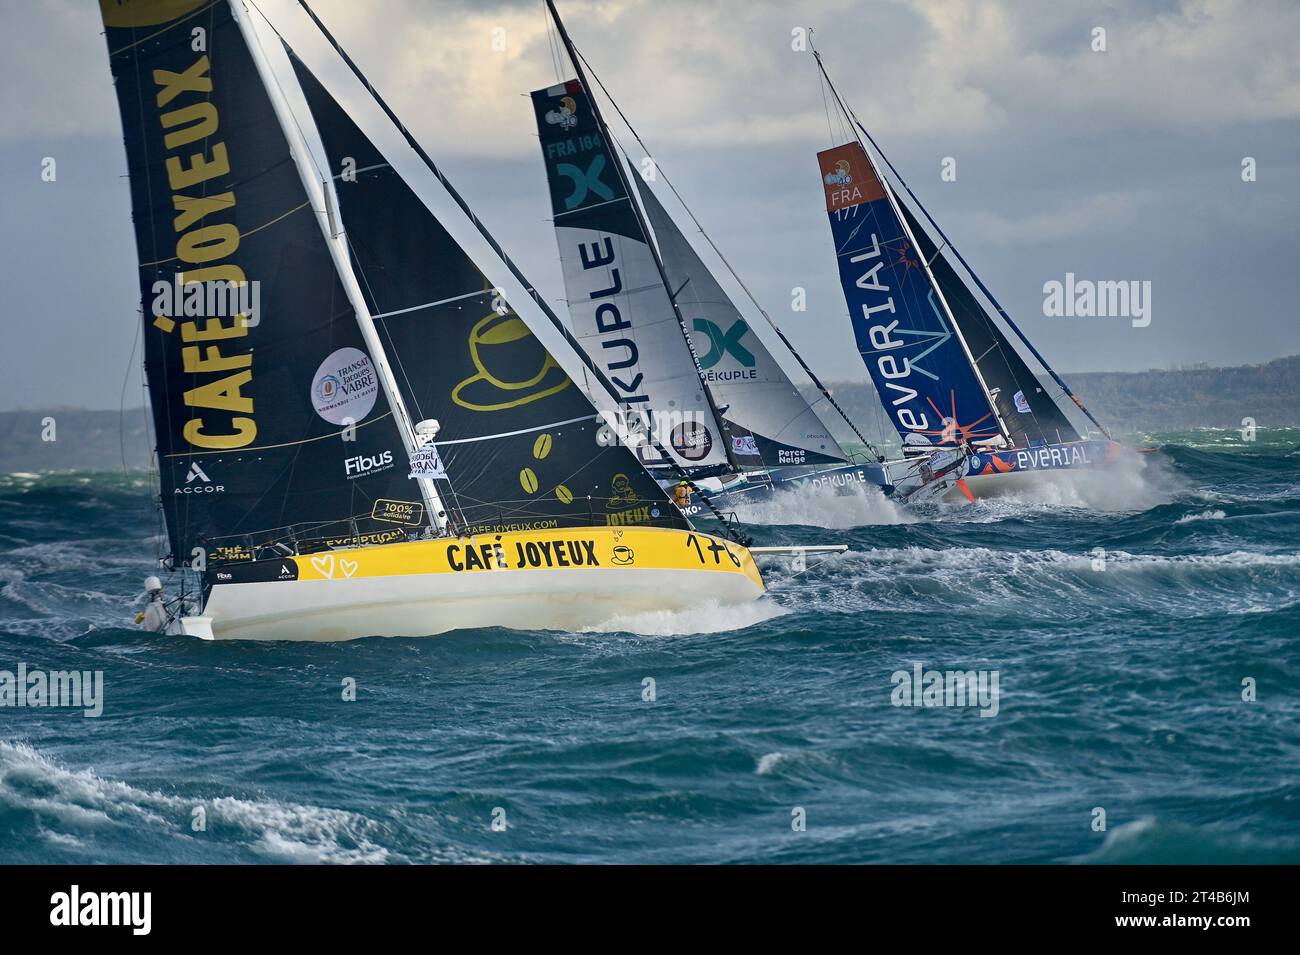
x=1115 y=165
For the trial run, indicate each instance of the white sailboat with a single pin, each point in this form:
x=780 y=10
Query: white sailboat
x=371 y=442
x=646 y=305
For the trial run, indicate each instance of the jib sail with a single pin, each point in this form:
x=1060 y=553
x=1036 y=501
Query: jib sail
x=620 y=310
x=521 y=443
x=269 y=420
x=769 y=421
x=904 y=333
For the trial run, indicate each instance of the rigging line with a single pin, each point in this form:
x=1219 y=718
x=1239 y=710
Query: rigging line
x=730 y=269
x=982 y=287
x=394 y=355
x=121 y=400
x=273 y=447
x=242 y=235
x=643 y=224
x=588 y=363
x=511 y=434
x=170 y=26
x=416 y=308
x=320 y=174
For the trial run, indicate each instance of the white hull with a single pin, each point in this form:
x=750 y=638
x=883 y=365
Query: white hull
x=427 y=604
x=387 y=590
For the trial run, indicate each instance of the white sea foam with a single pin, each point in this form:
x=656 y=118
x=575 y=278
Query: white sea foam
x=1135 y=482
x=857 y=505
x=83 y=801
x=768 y=763
x=709 y=617
x=1207 y=515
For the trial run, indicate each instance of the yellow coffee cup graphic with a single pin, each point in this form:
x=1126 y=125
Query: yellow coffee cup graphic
x=499 y=346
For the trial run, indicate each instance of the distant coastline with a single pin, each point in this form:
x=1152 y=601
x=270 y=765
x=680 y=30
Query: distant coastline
x=1126 y=402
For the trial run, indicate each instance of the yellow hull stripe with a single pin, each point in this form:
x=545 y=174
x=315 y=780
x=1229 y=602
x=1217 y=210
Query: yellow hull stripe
x=614 y=548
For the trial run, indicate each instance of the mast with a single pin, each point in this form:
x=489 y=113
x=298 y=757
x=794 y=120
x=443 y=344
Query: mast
x=318 y=192
x=893 y=201
x=643 y=224
x=508 y=262
x=812 y=376
x=982 y=287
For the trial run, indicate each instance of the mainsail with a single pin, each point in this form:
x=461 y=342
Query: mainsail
x=904 y=331
x=618 y=304
x=519 y=440
x=770 y=422
x=269 y=421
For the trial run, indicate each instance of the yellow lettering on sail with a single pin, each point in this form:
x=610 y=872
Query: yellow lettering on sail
x=223 y=394
x=208 y=243
x=190 y=209
x=202 y=120
x=199 y=170
x=245 y=431
x=145 y=13
x=212 y=360
x=214 y=330
x=195 y=79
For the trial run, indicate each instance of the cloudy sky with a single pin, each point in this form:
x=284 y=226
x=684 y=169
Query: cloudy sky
x=1116 y=165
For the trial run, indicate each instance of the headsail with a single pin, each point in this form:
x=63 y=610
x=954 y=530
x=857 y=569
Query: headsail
x=914 y=353
x=618 y=304
x=770 y=422
x=519 y=440
x=1029 y=412
x=269 y=419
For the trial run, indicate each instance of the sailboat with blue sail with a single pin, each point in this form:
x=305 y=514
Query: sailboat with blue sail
x=649 y=310
x=943 y=362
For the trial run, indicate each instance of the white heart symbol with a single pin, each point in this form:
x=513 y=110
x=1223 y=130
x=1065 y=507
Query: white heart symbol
x=349 y=567
x=324 y=565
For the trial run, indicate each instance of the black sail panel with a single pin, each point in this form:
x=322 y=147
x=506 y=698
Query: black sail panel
x=1030 y=413
x=269 y=418
x=522 y=445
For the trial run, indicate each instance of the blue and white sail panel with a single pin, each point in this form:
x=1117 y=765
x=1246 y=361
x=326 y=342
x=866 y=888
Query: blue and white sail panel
x=619 y=308
x=916 y=360
x=769 y=421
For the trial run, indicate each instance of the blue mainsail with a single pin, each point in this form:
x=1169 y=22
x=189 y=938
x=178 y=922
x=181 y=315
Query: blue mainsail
x=904 y=332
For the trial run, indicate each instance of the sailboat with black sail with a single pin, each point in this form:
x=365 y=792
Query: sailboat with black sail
x=385 y=447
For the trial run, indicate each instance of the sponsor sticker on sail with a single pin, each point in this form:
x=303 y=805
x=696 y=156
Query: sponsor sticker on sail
x=744 y=444
x=345 y=386
x=427 y=463
x=1022 y=403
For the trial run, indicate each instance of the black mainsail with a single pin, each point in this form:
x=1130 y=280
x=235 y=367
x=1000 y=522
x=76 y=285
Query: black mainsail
x=519 y=440
x=268 y=423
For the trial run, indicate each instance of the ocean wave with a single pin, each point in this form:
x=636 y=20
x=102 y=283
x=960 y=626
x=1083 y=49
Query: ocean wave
x=710 y=617
x=68 y=806
x=1154 y=841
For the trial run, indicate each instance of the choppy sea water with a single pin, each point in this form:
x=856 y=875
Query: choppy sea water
x=1120 y=687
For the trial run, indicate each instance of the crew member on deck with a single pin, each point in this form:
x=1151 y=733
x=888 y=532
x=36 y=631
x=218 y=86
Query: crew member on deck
x=682 y=495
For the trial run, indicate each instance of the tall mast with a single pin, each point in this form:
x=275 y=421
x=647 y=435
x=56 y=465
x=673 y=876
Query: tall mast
x=501 y=254
x=902 y=220
x=982 y=287
x=812 y=376
x=321 y=203
x=641 y=221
